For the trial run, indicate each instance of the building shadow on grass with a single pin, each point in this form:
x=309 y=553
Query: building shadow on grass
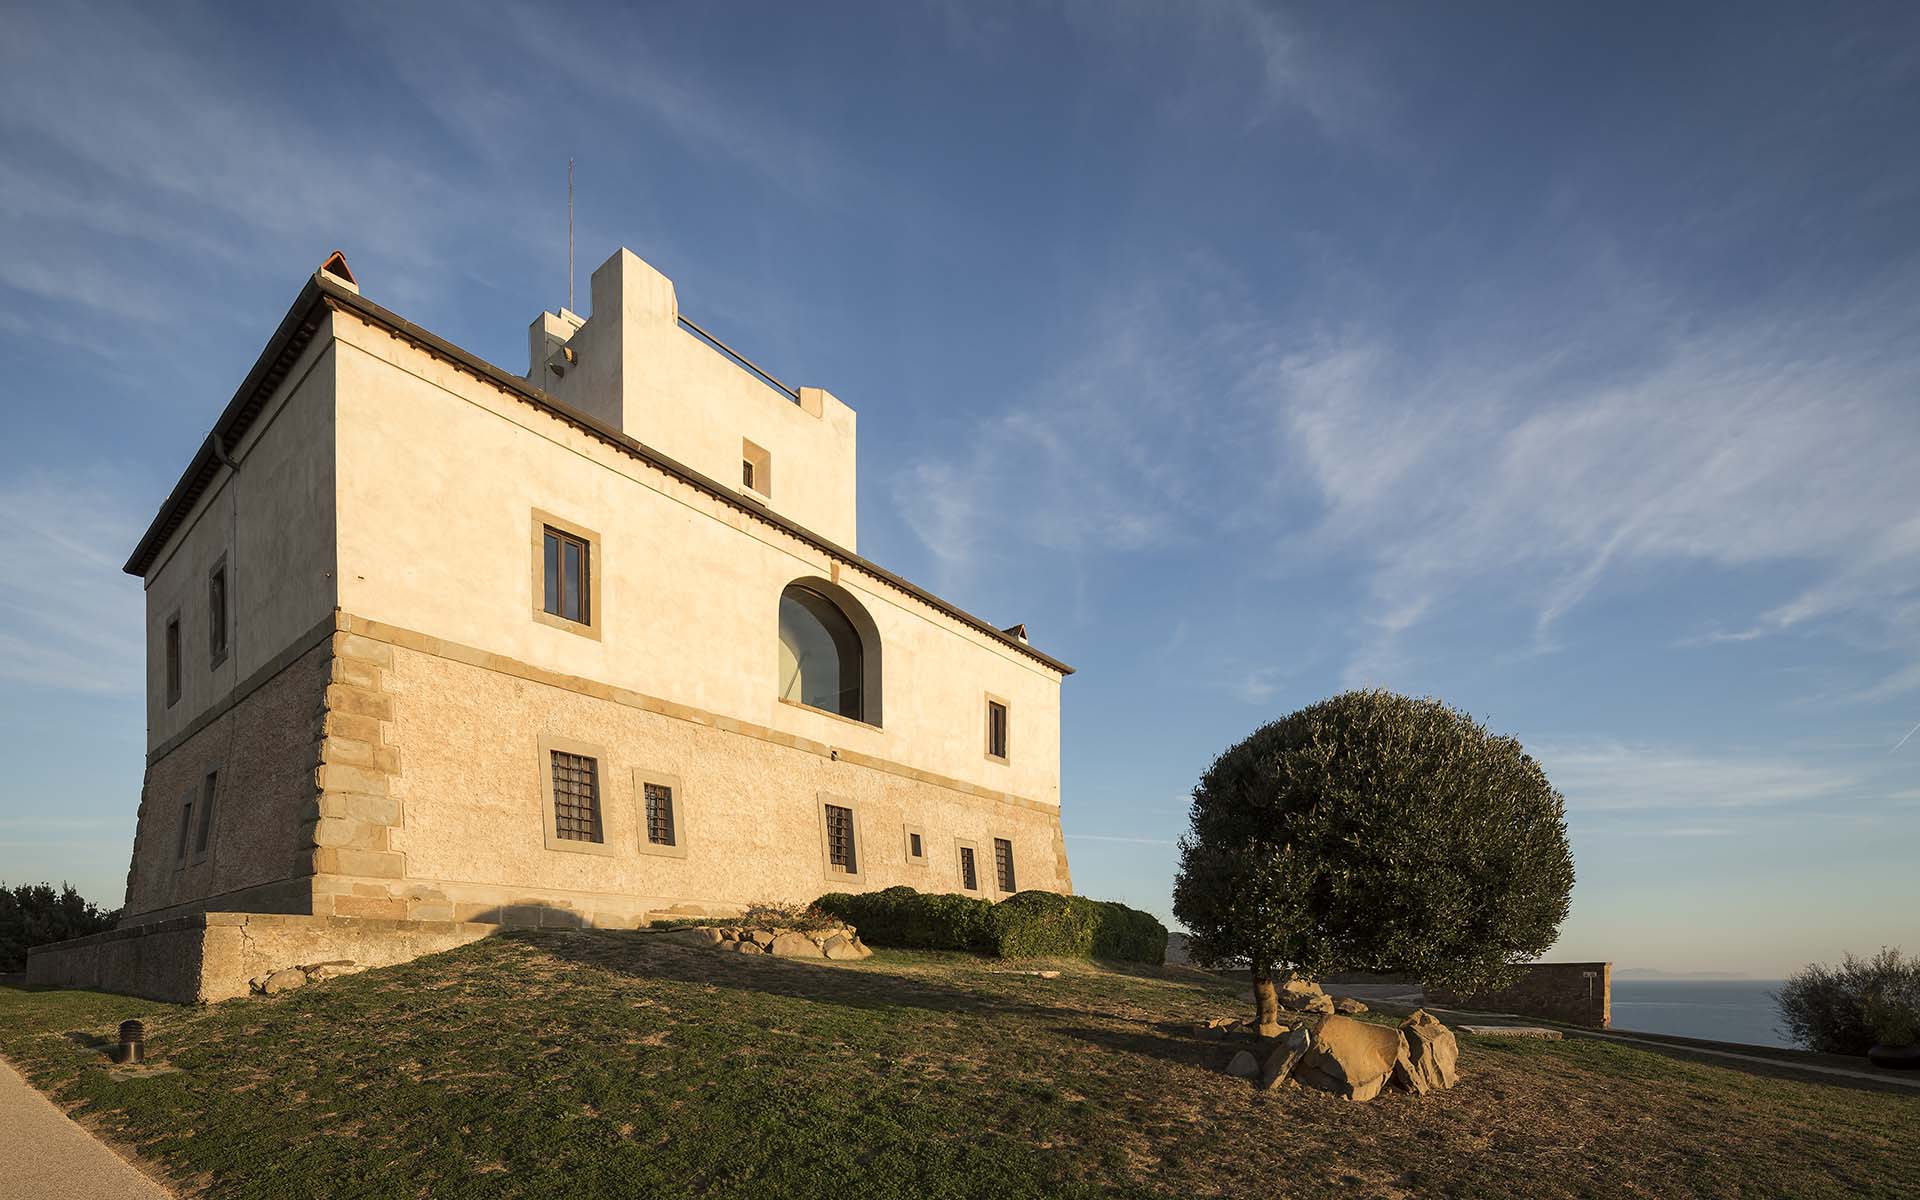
x=863 y=985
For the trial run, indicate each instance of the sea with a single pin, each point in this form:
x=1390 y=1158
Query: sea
x=1723 y=1010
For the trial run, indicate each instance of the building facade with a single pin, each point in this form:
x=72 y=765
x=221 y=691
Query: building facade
x=430 y=642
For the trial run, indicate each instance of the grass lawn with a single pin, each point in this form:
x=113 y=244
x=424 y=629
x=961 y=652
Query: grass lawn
x=573 y=1064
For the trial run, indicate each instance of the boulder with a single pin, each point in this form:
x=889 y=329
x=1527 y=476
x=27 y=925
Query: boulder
x=1348 y=1006
x=283 y=981
x=1271 y=1029
x=746 y=947
x=1351 y=1059
x=1304 y=995
x=1243 y=1065
x=793 y=945
x=860 y=948
x=1285 y=1057
x=1429 y=1055
x=759 y=937
x=840 y=947
x=321 y=972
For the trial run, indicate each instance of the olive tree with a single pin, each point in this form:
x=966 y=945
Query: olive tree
x=1374 y=832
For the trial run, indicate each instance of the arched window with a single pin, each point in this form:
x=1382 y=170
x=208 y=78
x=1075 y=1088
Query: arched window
x=823 y=657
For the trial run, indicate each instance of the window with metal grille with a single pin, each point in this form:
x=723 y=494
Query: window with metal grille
x=1003 y=863
x=996 y=729
x=173 y=660
x=217 y=614
x=576 y=797
x=969 y=877
x=659 y=799
x=913 y=846
x=569 y=575
x=186 y=828
x=840 y=848
x=209 y=787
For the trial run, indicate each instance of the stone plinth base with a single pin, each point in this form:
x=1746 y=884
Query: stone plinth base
x=210 y=956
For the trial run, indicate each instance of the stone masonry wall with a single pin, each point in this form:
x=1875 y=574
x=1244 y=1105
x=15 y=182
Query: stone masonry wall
x=1574 y=993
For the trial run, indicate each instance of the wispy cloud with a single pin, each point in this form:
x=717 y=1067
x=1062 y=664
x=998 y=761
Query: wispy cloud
x=69 y=620
x=1609 y=777
x=1132 y=841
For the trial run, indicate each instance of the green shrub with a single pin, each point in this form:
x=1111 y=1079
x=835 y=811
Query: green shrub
x=34 y=914
x=1028 y=925
x=1849 y=1008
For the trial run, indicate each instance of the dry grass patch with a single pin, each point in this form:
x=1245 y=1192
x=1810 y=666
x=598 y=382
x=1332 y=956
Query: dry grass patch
x=598 y=1064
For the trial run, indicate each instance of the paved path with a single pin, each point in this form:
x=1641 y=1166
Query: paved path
x=45 y=1156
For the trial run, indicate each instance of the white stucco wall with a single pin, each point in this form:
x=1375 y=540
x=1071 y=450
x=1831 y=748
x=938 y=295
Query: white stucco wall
x=637 y=369
x=440 y=473
x=274 y=522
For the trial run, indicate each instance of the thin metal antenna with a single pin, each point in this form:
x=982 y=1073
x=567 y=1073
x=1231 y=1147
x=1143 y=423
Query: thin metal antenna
x=570 y=307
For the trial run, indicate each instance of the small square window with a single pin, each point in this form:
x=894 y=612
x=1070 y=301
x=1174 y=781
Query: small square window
x=756 y=469
x=573 y=796
x=996 y=729
x=1003 y=865
x=969 y=870
x=576 y=798
x=173 y=660
x=217 y=613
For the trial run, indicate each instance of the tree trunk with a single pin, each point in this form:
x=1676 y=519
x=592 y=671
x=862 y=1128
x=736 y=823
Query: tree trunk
x=1266 y=997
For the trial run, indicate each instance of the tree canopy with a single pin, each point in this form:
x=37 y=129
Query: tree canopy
x=1376 y=832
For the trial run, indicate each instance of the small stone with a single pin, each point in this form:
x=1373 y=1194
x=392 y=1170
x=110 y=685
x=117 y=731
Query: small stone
x=1220 y=1022
x=257 y=985
x=321 y=972
x=1348 y=1006
x=1243 y=1065
x=1271 y=1029
x=283 y=981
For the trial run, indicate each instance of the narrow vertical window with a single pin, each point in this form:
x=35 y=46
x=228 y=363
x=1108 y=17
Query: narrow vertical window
x=209 y=787
x=217 y=614
x=173 y=660
x=969 y=875
x=997 y=730
x=1003 y=864
x=576 y=797
x=568 y=569
x=186 y=831
x=659 y=813
x=913 y=846
x=756 y=469
x=840 y=847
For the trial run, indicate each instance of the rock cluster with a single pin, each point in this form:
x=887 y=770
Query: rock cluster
x=287 y=978
x=1351 y=1059
x=838 y=942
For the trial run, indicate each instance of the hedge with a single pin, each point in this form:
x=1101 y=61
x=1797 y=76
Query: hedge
x=1027 y=925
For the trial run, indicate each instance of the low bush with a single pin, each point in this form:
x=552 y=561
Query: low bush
x=34 y=914
x=1850 y=1008
x=1027 y=925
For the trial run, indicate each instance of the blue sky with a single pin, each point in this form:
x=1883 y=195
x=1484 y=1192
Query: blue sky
x=1558 y=362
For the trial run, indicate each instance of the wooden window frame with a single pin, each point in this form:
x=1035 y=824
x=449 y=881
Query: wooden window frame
x=1013 y=873
x=604 y=780
x=907 y=834
x=836 y=874
x=643 y=776
x=173 y=652
x=1006 y=730
x=219 y=613
x=959 y=867
x=595 y=567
